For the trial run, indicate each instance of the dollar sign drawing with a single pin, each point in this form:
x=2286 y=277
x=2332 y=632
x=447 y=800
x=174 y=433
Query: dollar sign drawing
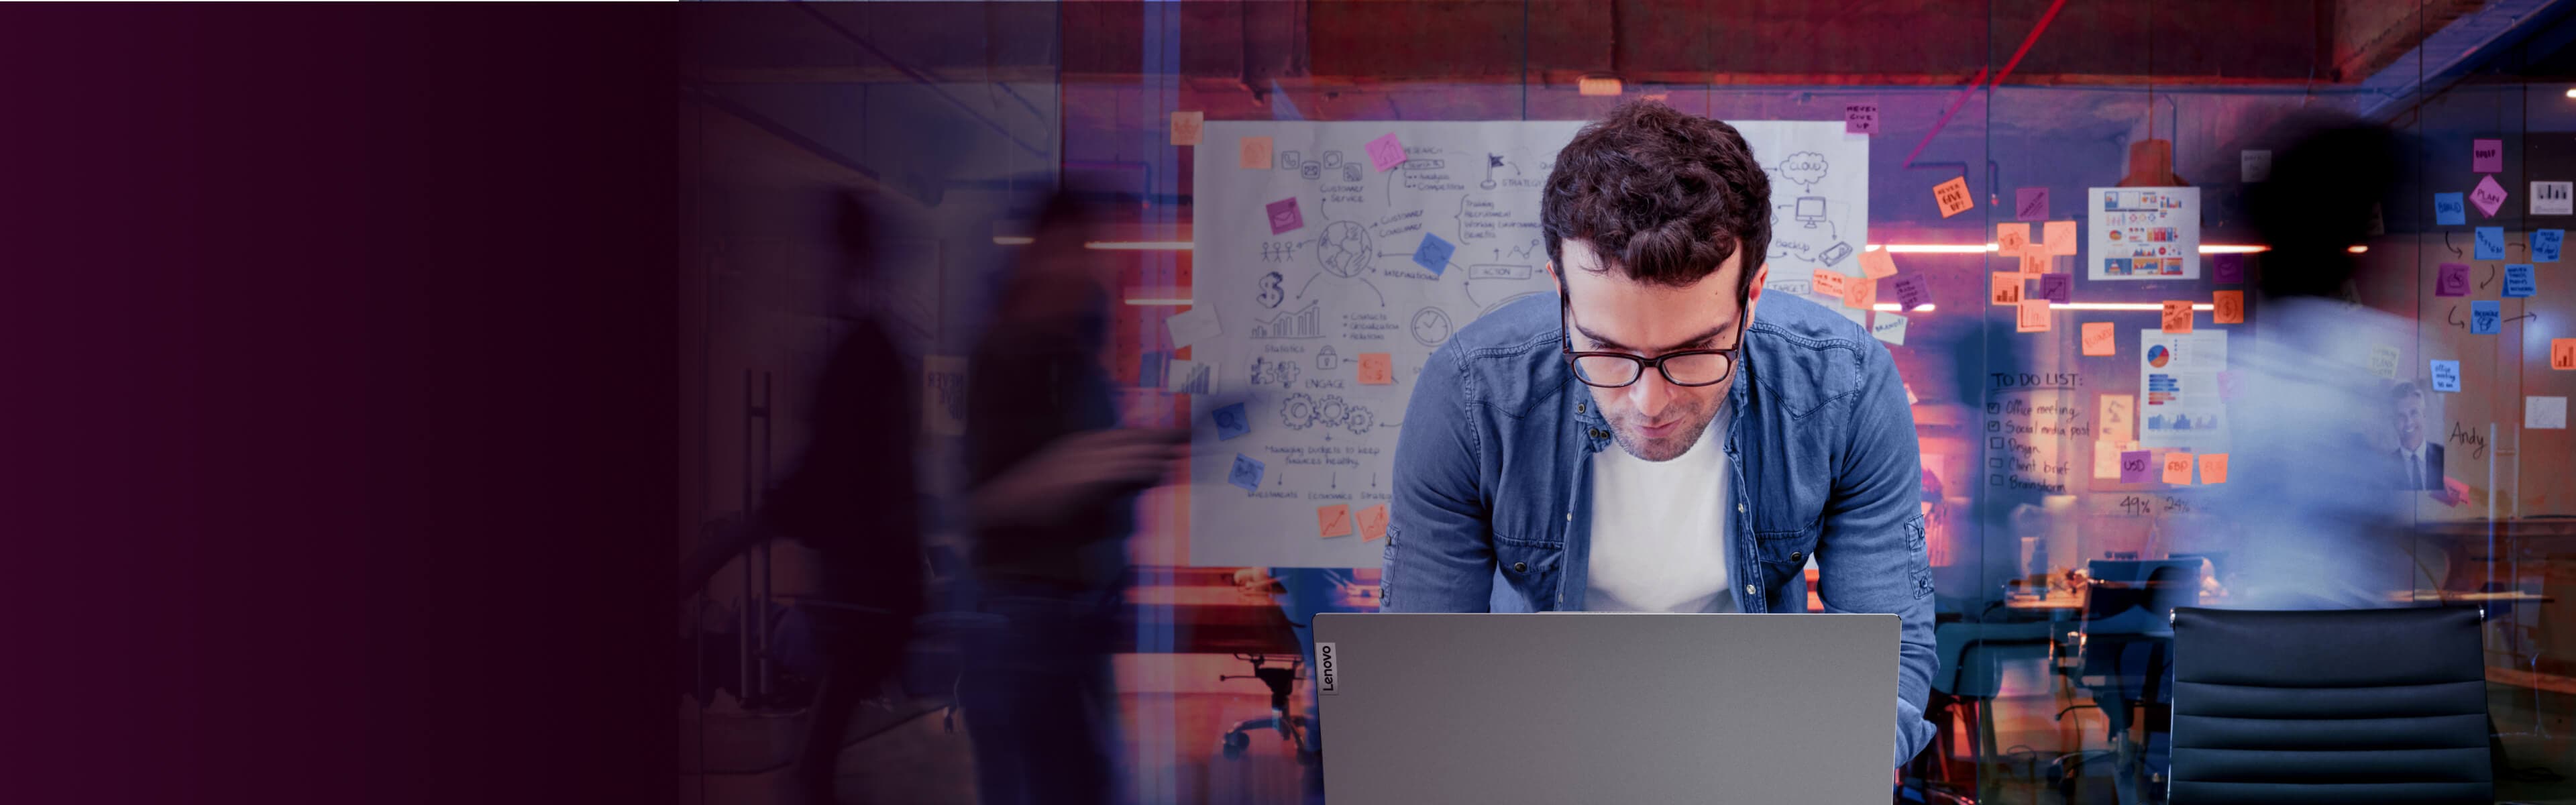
x=1270 y=294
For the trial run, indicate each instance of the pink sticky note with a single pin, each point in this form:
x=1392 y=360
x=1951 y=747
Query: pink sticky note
x=1860 y=118
x=1284 y=217
x=2452 y=279
x=2489 y=196
x=2030 y=204
x=1386 y=152
x=2137 y=466
x=2486 y=156
x=2228 y=268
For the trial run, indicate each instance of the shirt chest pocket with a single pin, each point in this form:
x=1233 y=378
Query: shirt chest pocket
x=1784 y=552
x=1533 y=569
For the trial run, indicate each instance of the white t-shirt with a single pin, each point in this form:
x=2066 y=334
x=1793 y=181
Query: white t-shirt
x=1659 y=539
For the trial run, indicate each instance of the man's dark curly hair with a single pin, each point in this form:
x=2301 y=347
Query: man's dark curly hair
x=1661 y=196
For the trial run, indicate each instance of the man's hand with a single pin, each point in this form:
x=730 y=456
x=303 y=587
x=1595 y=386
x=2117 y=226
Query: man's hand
x=1078 y=470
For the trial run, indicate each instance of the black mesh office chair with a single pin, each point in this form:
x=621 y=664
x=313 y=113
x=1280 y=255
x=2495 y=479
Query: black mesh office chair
x=2329 y=706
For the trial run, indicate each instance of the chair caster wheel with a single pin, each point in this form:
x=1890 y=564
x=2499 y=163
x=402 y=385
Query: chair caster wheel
x=1233 y=744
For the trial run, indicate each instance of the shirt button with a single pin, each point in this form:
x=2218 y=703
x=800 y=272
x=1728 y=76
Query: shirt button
x=1748 y=590
x=1739 y=508
x=1578 y=408
x=1569 y=517
x=1520 y=567
x=1797 y=555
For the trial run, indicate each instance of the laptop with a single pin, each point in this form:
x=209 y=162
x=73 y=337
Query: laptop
x=1606 y=707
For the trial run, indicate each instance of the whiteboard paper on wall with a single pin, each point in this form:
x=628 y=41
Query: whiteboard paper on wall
x=2144 y=233
x=1356 y=275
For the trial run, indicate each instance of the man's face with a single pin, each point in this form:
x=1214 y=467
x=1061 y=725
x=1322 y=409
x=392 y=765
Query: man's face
x=2410 y=421
x=1653 y=419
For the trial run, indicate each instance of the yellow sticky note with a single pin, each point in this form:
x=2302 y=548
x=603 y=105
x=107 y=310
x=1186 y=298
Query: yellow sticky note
x=1953 y=196
x=2231 y=307
x=1878 y=264
x=2106 y=457
x=2035 y=262
x=2213 y=468
x=2177 y=316
x=1255 y=154
x=2008 y=287
x=2061 y=237
x=1829 y=283
x=2119 y=417
x=1333 y=520
x=1373 y=522
x=1377 y=368
x=2010 y=239
x=1185 y=127
x=2177 y=469
x=1860 y=293
x=2100 y=339
x=2032 y=317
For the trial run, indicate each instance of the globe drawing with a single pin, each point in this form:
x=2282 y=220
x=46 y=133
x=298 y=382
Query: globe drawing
x=1345 y=249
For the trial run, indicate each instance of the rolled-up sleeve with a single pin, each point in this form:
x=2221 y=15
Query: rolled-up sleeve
x=1870 y=556
x=1439 y=537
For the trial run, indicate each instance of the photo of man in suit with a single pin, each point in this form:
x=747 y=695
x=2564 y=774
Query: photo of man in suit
x=2419 y=463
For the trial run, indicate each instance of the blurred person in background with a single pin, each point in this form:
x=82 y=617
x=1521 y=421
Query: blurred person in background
x=1055 y=480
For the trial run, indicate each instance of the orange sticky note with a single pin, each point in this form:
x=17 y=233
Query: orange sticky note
x=2010 y=239
x=2061 y=237
x=1377 y=368
x=1878 y=264
x=1373 y=522
x=1953 y=196
x=1185 y=127
x=2213 y=468
x=1829 y=283
x=2177 y=469
x=2231 y=307
x=1255 y=154
x=1333 y=520
x=2100 y=339
x=2032 y=317
x=1860 y=293
x=2562 y=354
x=2177 y=316
x=2036 y=262
x=2008 y=287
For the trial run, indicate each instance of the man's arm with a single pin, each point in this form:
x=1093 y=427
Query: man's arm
x=1439 y=535
x=1870 y=556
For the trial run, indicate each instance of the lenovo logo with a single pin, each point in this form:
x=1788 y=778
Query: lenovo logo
x=1327 y=668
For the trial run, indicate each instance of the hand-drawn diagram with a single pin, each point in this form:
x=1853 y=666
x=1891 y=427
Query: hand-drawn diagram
x=1198 y=382
x=1328 y=327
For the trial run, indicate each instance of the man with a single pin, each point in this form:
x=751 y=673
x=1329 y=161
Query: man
x=1744 y=444
x=2419 y=463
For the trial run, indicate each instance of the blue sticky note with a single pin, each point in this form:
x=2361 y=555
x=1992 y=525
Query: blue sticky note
x=1232 y=422
x=2446 y=375
x=1150 y=367
x=1433 y=253
x=1247 y=472
x=2545 y=243
x=2519 y=281
x=2450 y=209
x=2486 y=317
x=2490 y=243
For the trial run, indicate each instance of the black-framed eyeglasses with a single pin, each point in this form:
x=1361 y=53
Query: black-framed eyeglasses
x=1610 y=370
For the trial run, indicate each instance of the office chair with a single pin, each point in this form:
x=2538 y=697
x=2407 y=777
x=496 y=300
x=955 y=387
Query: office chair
x=2343 y=706
x=1969 y=678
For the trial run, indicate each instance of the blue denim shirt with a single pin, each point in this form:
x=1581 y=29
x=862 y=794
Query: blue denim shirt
x=1493 y=480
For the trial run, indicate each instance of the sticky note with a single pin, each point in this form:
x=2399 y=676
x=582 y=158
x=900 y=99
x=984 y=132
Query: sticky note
x=2562 y=354
x=2178 y=468
x=2119 y=416
x=1196 y=325
x=2520 y=281
x=2037 y=261
x=1246 y=473
x=2545 y=243
x=2490 y=243
x=2030 y=204
x=2137 y=466
x=1913 y=292
x=2230 y=307
x=2544 y=413
x=2553 y=198
x=2177 y=316
x=2100 y=339
x=2213 y=468
x=2059 y=288
x=1952 y=196
x=1433 y=253
x=1185 y=127
x=2227 y=385
x=1860 y=118
x=1373 y=523
x=1231 y=421
x=1253 y=153
x=2008 y=287
x=2449 y=209
x=2446 y=376
x=2106 y=458
x=1333 y=520
x=1377 y=368
x=2061 y=238
x=1877 y=264
x=1150 y=369
x=1386 y=152
x=1888 y=327
x=2488 y=195
x=2253 y=166
x=1284 y=217
x=2227 y=269
x=2486 y=156
x=2383 y=362
x=2451 y=279
x=2031 y=316
x=1860 y=293
x=2486 y=317
x=1829 y=283
x=2010 y=239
